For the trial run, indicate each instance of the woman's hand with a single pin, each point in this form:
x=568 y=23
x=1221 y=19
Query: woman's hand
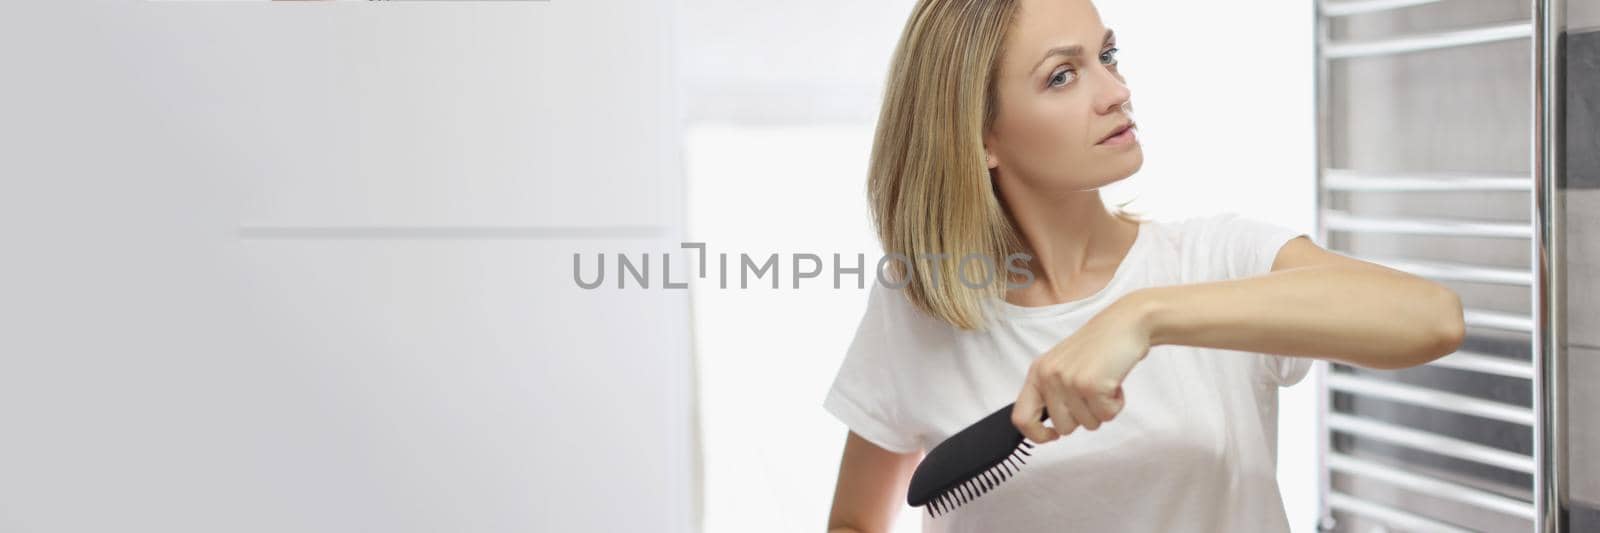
x=1079 y=380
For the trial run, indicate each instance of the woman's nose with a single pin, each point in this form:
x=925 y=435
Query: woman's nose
x=1113 y=93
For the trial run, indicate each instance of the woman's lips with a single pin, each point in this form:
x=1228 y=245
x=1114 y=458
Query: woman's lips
x=1126 y=137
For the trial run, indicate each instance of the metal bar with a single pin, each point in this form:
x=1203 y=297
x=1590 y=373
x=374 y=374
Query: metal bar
x=1389 y=515
x=1432 y=41
x=1344 y=221
x=1548 y=257
x=1431 y=486
x=1454 y=271
x=1430 y=398
x=1496 y=320
x=1324 y=440
x=1430 y=442
x=1486 y=364
x=1359 y=7
x=1321 y=133
x=1351 y=180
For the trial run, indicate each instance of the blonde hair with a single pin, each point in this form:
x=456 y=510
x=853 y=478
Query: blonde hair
x=928 y=183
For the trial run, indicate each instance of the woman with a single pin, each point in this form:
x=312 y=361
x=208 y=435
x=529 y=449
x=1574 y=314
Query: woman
x=1165 y=342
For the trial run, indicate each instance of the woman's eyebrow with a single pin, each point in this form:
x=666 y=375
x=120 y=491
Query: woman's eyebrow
x=1070 y=51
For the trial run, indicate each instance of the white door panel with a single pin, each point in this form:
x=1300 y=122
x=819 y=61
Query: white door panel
x=308 y=268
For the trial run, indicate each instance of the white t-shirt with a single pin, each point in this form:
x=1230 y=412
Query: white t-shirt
x=1194 y=448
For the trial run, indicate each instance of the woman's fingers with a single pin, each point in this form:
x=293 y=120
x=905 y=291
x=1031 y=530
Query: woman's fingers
x=1068 y=406
x=1089 y=404
x=1108 y=408
x=1027 y=411
x=1080 y=410
x=1061 y=415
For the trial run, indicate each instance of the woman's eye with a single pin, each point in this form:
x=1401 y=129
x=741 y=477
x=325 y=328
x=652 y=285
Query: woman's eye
x=1060 y=78
x=1108 y=57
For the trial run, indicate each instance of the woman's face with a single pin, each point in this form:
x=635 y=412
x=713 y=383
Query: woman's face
x=1056 y=106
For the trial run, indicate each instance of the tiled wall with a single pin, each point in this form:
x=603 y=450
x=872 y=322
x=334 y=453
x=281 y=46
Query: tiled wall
x=1582 y=262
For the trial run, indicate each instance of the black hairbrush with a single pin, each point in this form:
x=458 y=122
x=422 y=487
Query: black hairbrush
x=969 y=463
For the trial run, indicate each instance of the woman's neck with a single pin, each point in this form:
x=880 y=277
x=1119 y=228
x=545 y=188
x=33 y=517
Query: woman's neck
x=1071 y=238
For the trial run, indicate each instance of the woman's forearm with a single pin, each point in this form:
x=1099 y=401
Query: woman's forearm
x=1370 y=317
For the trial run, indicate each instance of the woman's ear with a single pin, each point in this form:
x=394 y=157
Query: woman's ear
x=988 y=153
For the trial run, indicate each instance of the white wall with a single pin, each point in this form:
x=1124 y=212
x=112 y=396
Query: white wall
x=782 y=118
x=307 y=267
x=765 y=355
x=775 y=63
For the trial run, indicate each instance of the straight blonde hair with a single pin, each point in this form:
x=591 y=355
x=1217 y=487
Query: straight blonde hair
x=928 y=183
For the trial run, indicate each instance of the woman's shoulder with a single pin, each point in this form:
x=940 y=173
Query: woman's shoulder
x=1201 y=223
x=1193 y=247
x=1206 y=231
x=1185 y=225
x=894 y=312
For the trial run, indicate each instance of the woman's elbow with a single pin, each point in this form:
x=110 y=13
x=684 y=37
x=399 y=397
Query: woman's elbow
x=1441 y=335
x=1452 y=328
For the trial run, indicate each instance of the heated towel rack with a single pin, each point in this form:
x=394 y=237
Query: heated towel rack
x=1437 y=154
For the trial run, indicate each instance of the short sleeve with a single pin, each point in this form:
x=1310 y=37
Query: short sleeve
x=1283 y=370
x=1248 y=245
x=864 y=395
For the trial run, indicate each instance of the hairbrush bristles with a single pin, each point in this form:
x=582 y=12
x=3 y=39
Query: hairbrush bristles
x=969 y=463
x=977 y=486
